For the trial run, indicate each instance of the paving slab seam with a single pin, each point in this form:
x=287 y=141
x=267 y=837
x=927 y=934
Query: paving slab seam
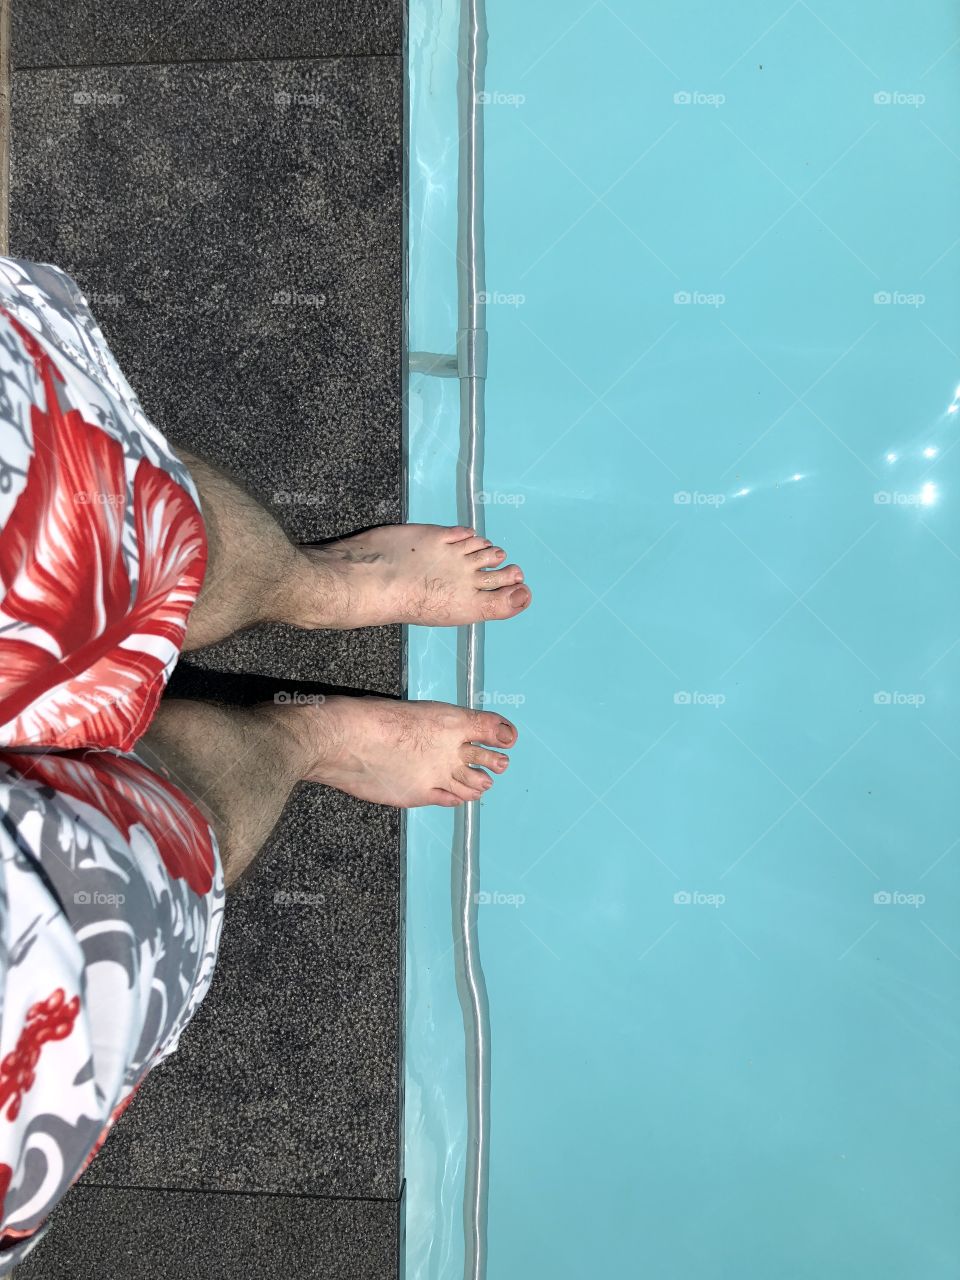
x=234 y=1191
x=207 y=62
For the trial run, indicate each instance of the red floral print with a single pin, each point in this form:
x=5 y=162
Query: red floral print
x=102 y=554
x=8 y=1237
x=50 y=1019
x=81 y=663
x=130 y=794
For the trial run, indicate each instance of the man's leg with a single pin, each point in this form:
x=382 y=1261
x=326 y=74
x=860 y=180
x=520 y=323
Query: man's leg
x=235 y=764
x=240 y=765
x=424 y=574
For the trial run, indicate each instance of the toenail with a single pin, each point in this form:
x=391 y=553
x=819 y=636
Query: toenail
x=520 y=597
x=504 y=732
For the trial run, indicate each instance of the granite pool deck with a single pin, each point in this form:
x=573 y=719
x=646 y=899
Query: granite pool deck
x=225 y=183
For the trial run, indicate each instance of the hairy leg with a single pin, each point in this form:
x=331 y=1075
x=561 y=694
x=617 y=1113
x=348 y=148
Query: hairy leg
x=250 y=560
x=240 y=765
x=424 y=574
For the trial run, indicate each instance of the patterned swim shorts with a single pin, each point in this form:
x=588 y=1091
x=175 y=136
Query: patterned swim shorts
x=111 y=890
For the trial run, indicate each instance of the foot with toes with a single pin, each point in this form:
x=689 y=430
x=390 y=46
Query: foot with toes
x=403 y=754
x=422 y=574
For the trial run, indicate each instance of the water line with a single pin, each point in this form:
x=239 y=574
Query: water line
x=471 y=364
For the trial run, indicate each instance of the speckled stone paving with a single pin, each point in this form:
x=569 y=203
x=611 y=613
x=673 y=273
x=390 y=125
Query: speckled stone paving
x=82 y=32
x=163 y=1233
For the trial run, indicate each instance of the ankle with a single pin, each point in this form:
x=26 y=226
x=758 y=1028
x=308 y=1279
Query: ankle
x=312 y=592
x=283 y=602
x=306 y=735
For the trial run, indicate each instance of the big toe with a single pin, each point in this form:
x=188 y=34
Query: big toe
x=505 y=602
x=491 y=729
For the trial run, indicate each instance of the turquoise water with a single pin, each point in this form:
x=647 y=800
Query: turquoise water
x=722 y=942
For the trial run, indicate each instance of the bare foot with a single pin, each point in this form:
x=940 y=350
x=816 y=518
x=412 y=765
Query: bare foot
x=424 y=574
x=403 y=754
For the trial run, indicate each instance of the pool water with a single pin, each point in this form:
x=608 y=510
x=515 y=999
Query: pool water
x=720 y=920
